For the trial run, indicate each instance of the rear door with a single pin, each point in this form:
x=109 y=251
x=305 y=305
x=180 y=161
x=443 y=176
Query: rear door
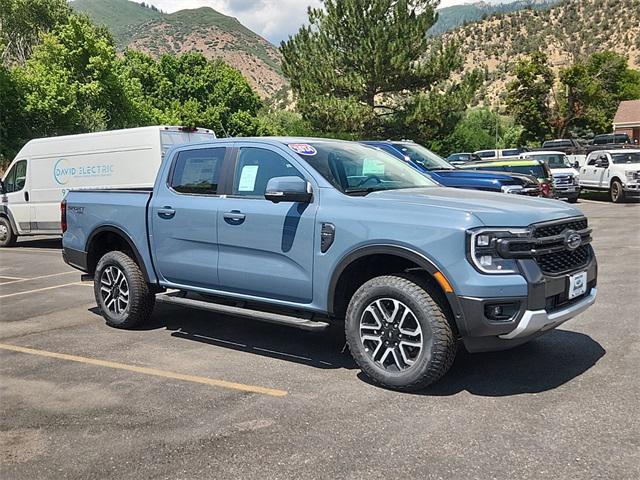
x=266 y=249
x=183 y=217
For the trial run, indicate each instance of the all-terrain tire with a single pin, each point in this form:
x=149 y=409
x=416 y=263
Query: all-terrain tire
x=439 y=341
x=140 y=301
x=7 y=236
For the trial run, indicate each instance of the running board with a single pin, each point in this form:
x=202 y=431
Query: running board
x=297 y=322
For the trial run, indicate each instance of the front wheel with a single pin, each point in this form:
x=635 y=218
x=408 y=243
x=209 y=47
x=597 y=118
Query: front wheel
x=398 y=334
x=121 y=292
x=7 y=237
x=572 y=199
x=616 y=192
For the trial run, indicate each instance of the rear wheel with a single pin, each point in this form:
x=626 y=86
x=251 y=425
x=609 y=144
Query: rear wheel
x=617 y=192
x=121 y=292
x=7 y=237
x=572 y=199
x=398 y=334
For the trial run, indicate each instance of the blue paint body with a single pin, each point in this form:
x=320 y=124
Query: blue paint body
x=274 y=255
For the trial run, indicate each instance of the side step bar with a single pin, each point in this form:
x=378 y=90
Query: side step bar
x=298 y=322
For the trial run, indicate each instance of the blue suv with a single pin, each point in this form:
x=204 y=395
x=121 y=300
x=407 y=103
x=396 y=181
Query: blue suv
x=446 y=174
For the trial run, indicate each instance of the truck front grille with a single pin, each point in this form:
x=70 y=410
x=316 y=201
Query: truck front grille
x=560 y=181
x=564 y=261
x=556 y=228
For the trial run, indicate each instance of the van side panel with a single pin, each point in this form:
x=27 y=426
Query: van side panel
x=116 y=210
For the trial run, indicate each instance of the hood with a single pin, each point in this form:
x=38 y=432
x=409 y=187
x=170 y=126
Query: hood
x=471 y=174
x=564 y=171
x=492 y=209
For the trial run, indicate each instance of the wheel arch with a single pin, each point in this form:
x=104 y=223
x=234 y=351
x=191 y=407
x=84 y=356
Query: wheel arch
x=406 y=257
x=106 y=236
x=6 y=213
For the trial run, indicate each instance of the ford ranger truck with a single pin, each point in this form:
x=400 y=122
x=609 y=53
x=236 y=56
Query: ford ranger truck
x=314 y=233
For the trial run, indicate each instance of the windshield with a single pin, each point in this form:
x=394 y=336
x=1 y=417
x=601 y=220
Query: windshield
x=631 y=157
x=554 y=160
x=357 y=169
x=423 y=157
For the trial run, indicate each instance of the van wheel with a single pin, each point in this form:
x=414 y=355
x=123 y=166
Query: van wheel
x=121 y=292
x=7 y=237
x=617 y=192
x=397 y=333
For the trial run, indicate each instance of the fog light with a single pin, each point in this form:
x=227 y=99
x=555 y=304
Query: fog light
x=486 y=260
x=501 y=312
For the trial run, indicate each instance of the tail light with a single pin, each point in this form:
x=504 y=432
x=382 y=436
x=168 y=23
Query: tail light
x=63 y=215
x=546 y=190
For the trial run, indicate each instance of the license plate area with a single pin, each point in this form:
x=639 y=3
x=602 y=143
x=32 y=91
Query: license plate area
x=577 y=285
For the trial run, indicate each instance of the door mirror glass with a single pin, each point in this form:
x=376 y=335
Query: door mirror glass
x=288 y=189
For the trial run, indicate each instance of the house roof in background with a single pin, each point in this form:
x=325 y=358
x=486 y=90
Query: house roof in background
x=628 y=112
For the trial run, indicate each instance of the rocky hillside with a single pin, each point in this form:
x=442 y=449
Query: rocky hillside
x=203 y=29
x=569 y=31
x=458 y=15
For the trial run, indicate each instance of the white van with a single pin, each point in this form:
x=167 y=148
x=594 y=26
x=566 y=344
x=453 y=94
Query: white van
x=46 y=168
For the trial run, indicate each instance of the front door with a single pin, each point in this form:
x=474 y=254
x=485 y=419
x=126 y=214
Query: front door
x=266 y=249
x=183 y=218
x=588 y=173
x=17 y=195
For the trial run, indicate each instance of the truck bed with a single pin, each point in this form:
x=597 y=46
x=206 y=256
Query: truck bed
x=101 y=210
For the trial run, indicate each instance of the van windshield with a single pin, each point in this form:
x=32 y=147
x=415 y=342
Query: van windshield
x=554 y=160
x=356 y=169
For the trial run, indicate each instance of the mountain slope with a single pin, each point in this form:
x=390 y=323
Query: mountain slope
x=203 y=29
x=567 y=32
x=457 y=15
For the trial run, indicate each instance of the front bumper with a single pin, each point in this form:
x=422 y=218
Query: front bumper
x=545 y=307
x=631 y=189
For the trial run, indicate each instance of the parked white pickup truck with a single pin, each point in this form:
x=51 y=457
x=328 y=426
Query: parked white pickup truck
x=566 y=178
x=615 y=171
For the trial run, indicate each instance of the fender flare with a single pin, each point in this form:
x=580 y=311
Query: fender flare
x=125 y=236
x=399 y=251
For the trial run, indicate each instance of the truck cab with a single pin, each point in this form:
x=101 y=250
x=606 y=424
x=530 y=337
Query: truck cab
x=616 y=171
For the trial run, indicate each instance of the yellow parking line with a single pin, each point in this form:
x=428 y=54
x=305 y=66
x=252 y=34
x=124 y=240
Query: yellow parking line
x=45 y=288
x=148 y=371
x=40 y=277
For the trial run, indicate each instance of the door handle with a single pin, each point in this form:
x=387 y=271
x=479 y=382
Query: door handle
x=234 y=217
x=26 y=196
x=166 y=213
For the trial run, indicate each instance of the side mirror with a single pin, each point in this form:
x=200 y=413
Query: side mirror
x=576 y=165
x=288 y=189
x=602 y=162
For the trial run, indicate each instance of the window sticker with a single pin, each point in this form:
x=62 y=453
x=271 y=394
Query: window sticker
x=248 y=178
x=372 y=167
x=303 y=149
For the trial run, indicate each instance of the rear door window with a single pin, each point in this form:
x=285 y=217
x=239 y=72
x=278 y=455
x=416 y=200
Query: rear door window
x=197 y=172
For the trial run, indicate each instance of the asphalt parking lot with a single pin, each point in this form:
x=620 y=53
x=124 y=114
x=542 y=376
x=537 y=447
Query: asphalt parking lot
x=194 y=395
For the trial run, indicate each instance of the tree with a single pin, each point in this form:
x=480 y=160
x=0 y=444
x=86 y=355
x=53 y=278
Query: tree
x=193 y=91
x=22 y=23
x=74 y=83
x=529 y=97
x=359 y=64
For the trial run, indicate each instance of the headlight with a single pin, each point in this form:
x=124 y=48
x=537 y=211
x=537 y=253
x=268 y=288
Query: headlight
x=576 y=180
x=484 y=254
x=631 y=176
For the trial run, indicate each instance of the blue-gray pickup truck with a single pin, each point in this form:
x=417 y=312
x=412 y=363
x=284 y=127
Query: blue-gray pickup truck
x=315 y=233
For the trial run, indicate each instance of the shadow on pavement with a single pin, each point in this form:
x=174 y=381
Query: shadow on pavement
x=55 y=243
x=544 y=364
x=317 y=349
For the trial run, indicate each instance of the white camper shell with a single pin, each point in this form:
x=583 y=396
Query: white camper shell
x=46 y=168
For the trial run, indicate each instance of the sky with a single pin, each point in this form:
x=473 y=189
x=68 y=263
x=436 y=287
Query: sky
x=273 y=19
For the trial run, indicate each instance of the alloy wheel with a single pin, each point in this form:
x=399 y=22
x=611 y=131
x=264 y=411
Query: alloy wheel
x=391 y=334
x=114 y=290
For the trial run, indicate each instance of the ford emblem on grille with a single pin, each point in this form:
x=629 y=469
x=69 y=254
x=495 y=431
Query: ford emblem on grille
x=572 y=239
